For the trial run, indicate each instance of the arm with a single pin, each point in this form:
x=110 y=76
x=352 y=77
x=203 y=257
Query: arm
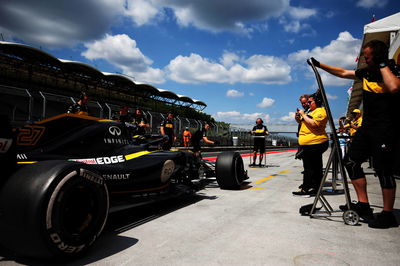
x=336 y=71
x=307 y=120
x=391 y=81
x=162 y=130
x=206 y=140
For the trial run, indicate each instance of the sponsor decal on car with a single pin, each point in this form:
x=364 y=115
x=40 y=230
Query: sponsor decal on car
x=5 y=145
x=115 y=141
x=101 y=160
x=30 y=135
x=116 y=176
x=22 y=156
x=115 y=131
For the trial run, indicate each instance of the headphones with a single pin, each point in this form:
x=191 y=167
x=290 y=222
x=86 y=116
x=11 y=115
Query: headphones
x=317 y=98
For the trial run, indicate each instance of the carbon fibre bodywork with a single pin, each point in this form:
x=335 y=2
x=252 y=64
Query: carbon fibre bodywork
x=127 y=165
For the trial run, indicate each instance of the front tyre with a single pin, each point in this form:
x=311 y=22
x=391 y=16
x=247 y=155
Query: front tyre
x=229 y=170
x=53 y=209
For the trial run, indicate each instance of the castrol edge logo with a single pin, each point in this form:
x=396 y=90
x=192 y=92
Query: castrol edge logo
x=101 y=160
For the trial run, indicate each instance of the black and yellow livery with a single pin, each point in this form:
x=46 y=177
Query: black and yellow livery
x=72 y=170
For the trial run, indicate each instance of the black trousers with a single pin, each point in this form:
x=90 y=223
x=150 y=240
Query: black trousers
x=312 y=163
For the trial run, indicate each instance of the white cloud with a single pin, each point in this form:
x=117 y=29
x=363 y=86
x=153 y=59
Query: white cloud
x=65 y=23
x=301 y=13
x=331 y=97
x=255 y=69
x=61 y=23
x=288 y=118
x=251 y=94
x=121 y=51
x=237 y=117
x=266 y=102
x=341 y=52
x=141 y=11
x=234 y=94
x=228 y=59
x=371 y=3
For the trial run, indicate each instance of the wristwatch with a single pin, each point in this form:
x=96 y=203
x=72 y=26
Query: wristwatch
x=383 y=64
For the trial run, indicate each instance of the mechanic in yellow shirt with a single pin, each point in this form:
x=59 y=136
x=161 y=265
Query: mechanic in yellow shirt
x=313 y=141
x=355 y=123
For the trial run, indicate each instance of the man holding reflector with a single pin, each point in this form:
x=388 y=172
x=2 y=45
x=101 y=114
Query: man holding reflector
x=376 y=137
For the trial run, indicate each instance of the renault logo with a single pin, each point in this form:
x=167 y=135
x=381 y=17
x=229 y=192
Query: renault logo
x=115 y=131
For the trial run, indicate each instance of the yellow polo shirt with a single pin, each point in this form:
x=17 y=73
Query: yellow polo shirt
x=358 y=122
x=311 y=136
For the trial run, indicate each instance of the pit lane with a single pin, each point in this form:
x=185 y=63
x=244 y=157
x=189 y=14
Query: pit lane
x=257 y=225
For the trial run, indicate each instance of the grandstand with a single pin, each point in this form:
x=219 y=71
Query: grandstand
x=35 y=85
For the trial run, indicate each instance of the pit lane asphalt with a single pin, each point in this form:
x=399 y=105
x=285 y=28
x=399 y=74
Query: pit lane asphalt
x=256 y=225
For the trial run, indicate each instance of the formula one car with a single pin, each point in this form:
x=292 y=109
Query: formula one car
x=74 y=170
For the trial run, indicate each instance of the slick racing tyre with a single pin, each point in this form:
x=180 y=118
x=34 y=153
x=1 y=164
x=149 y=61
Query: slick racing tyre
x=229 y=170
x=52 y=210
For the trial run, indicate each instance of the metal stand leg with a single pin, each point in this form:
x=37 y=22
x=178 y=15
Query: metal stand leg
x=335 y=160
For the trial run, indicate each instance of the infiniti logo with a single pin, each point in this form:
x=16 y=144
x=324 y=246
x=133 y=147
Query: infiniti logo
x=115 y=131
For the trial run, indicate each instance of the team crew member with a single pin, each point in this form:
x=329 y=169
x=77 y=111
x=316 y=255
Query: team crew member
x=124 y=115
x=259 y=132
x=140 y=121
x=313 y=141
x=376 y=137
x=200 y=134
x=80 y=107
x=186 y=135
x=355 y=123
x=167 y=129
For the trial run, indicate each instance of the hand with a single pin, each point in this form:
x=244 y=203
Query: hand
x=300 y=112
x=315 y=62
x=380 y=61
x=216 y=142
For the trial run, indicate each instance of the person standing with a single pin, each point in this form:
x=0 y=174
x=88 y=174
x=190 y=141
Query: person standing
x=355 y=123
x=313 y=141
x=124 y=115
x=259 y=132
x=198 y=136
x=186 y=136
x=304 y=103
x=343 y=140
x=167 y=128
x=140 y=121
x=80 y=107
x=377 y=136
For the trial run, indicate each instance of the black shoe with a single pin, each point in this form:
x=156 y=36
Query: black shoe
x=305 y=193
x=363 y=210
x=383 y=220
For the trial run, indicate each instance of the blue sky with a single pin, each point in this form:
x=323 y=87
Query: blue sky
x=244 y=59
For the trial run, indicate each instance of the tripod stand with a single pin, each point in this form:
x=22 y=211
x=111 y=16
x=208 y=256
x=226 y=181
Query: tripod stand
x=350 y=217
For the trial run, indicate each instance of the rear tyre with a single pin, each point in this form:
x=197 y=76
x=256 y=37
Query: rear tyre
x=229 y=170
x=53 y=209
